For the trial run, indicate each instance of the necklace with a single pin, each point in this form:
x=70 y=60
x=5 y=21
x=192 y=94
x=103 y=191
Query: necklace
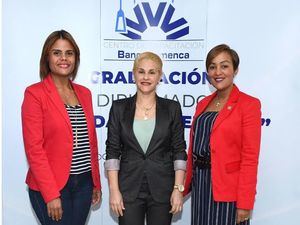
x=73 y=114
x=146 y=110
x=218 y=103
x=63 y=94
x=67 y=96
x=76 y=130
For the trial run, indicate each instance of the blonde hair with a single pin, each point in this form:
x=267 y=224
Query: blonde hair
x=148 y=55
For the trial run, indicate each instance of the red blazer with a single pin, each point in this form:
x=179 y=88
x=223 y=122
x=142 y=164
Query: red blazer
x=235 y=144
x=48 y=137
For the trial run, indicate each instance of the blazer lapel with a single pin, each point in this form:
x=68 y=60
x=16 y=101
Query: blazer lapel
x=159 y=119
x=55 y=98
x=81 y=98
x=202 y=106
x=87 y=109
x=129 y=112
x=228 y=107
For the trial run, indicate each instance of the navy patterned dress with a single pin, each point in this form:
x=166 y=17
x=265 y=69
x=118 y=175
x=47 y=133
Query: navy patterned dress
x=205 y=211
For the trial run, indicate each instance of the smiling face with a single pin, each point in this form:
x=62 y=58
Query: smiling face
x=147 y=75
x=221 y=72
x=61 y=58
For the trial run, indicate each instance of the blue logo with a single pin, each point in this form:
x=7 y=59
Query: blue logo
x=161 y=17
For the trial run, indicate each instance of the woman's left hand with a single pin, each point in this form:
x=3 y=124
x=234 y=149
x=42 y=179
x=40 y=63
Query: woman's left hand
x=176 y=201
x=242 y=215
x=97 y=194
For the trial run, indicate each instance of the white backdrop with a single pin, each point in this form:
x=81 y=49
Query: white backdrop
x=264 y=33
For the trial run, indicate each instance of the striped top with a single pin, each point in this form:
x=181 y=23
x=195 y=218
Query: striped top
x=81 y=159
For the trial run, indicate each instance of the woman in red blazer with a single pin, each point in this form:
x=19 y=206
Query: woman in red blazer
x=224 y=147
x=60 y=138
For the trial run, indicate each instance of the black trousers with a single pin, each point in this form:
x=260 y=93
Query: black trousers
x=144 y=206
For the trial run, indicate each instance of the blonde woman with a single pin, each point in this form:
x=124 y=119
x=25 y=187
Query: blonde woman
x=145 y=149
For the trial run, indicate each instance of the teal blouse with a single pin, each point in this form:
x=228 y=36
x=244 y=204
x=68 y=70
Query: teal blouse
x=143 y=131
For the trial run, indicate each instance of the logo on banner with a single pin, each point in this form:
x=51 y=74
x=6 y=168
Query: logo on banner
x=161 y=17
x=176 y=31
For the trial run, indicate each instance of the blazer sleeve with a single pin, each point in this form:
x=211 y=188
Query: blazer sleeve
x=251 y=135
x=177 y=139
x=32 y=125
x=113 y=142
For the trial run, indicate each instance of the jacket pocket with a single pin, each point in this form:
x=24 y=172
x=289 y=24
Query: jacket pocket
x=233 y=166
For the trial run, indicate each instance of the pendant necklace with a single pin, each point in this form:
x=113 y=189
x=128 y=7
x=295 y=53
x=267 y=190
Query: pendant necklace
x=75 y=117
x=76 y=131
x=218 y=103
x=147 y=111
x=66 y=98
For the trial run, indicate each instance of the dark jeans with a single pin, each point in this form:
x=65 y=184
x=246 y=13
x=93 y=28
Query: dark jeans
x=156 y=213
x=76 y=199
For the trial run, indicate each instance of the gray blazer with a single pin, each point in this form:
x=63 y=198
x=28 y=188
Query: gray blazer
x=157 y=164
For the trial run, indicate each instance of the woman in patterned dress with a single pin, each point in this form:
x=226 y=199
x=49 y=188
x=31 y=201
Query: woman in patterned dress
x=224 y=147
